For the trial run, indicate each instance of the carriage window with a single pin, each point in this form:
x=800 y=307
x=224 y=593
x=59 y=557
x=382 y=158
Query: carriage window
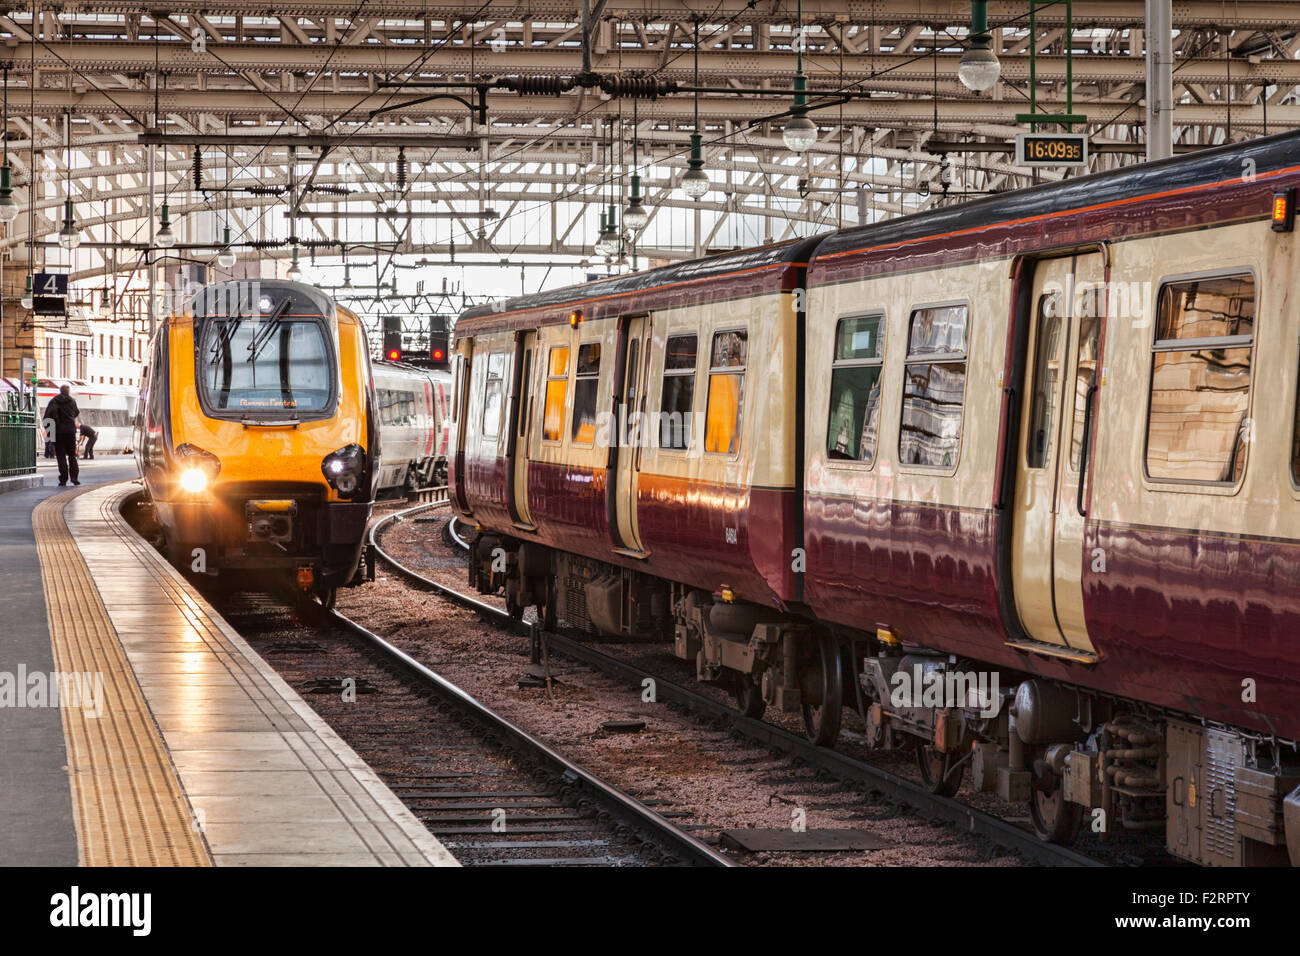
x=934 y=387
x=726 y=401
x=678 y=402
x=1085 y=374
x=1197 y=427
x=1047 y=376
x=586 y=379
x=557 y=385
x=525 y=393
x=492 y=395
x=633 y=355
x=854 y=422
x=157 y=399
x=455 y=398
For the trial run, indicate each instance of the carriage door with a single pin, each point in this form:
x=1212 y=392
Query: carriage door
x=1047 y=541
x=521 y=418
x=631 y=410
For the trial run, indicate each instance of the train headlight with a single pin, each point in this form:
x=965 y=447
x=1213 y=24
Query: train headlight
x=342 y=469
x=194 y=480
x=198 y=468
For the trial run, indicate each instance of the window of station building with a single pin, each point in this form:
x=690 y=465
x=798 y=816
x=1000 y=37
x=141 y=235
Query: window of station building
x=586 y=380
x=726 y=401
x=934 y=387
x=557 y=387
x=1197 y=427
x=854 y=421
x=492 y=392
x=677 y=405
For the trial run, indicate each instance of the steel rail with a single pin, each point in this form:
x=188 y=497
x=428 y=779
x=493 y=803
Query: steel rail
x=649 y=825
x=893 y=786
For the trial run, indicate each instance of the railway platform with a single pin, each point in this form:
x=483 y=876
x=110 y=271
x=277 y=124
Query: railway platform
x=137 y=728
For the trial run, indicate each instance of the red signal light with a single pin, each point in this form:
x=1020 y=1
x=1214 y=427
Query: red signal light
x=438 y=355
x=394 y=355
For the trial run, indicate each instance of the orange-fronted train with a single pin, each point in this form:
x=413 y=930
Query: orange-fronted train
x=256 y=435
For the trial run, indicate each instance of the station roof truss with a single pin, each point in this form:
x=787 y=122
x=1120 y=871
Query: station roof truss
x=354 y=126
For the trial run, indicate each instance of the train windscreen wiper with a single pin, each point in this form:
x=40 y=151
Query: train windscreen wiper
x=220 y=360
x=225 y=334
x=264 y=334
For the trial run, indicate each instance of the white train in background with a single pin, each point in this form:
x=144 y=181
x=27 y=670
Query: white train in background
x=414 y=425
x=108 y=409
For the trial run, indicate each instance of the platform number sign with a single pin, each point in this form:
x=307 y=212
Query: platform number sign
x=50 y=293
x=1051 y=149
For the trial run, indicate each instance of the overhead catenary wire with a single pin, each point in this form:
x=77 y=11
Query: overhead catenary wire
x=733 y=136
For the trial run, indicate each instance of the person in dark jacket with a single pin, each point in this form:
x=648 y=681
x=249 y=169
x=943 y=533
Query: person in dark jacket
x=89 y=434
x=61 y=415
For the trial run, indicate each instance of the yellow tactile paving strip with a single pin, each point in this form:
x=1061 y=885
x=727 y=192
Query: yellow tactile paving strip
x=127 y=799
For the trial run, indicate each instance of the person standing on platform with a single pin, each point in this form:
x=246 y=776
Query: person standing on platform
x=61 y=415
x=89 y=434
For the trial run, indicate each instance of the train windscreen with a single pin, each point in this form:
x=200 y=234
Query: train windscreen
x=264 y=350
x=265 y=364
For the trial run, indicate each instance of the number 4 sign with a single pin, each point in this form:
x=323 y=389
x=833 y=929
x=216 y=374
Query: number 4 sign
x=50 y=293
x=50 y=283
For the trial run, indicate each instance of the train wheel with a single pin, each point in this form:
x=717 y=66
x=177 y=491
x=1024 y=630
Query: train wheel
x=821 y=719
x=749 y=697
x=1055 y=819
x=937 y=770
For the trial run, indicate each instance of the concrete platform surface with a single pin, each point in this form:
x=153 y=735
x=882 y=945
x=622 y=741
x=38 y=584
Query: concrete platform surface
x=195 y=751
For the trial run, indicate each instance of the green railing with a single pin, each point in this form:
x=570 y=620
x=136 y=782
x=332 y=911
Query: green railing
x=17 y=435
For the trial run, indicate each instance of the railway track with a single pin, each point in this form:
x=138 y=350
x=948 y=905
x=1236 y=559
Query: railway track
x=841 y=766
x=494 y=794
